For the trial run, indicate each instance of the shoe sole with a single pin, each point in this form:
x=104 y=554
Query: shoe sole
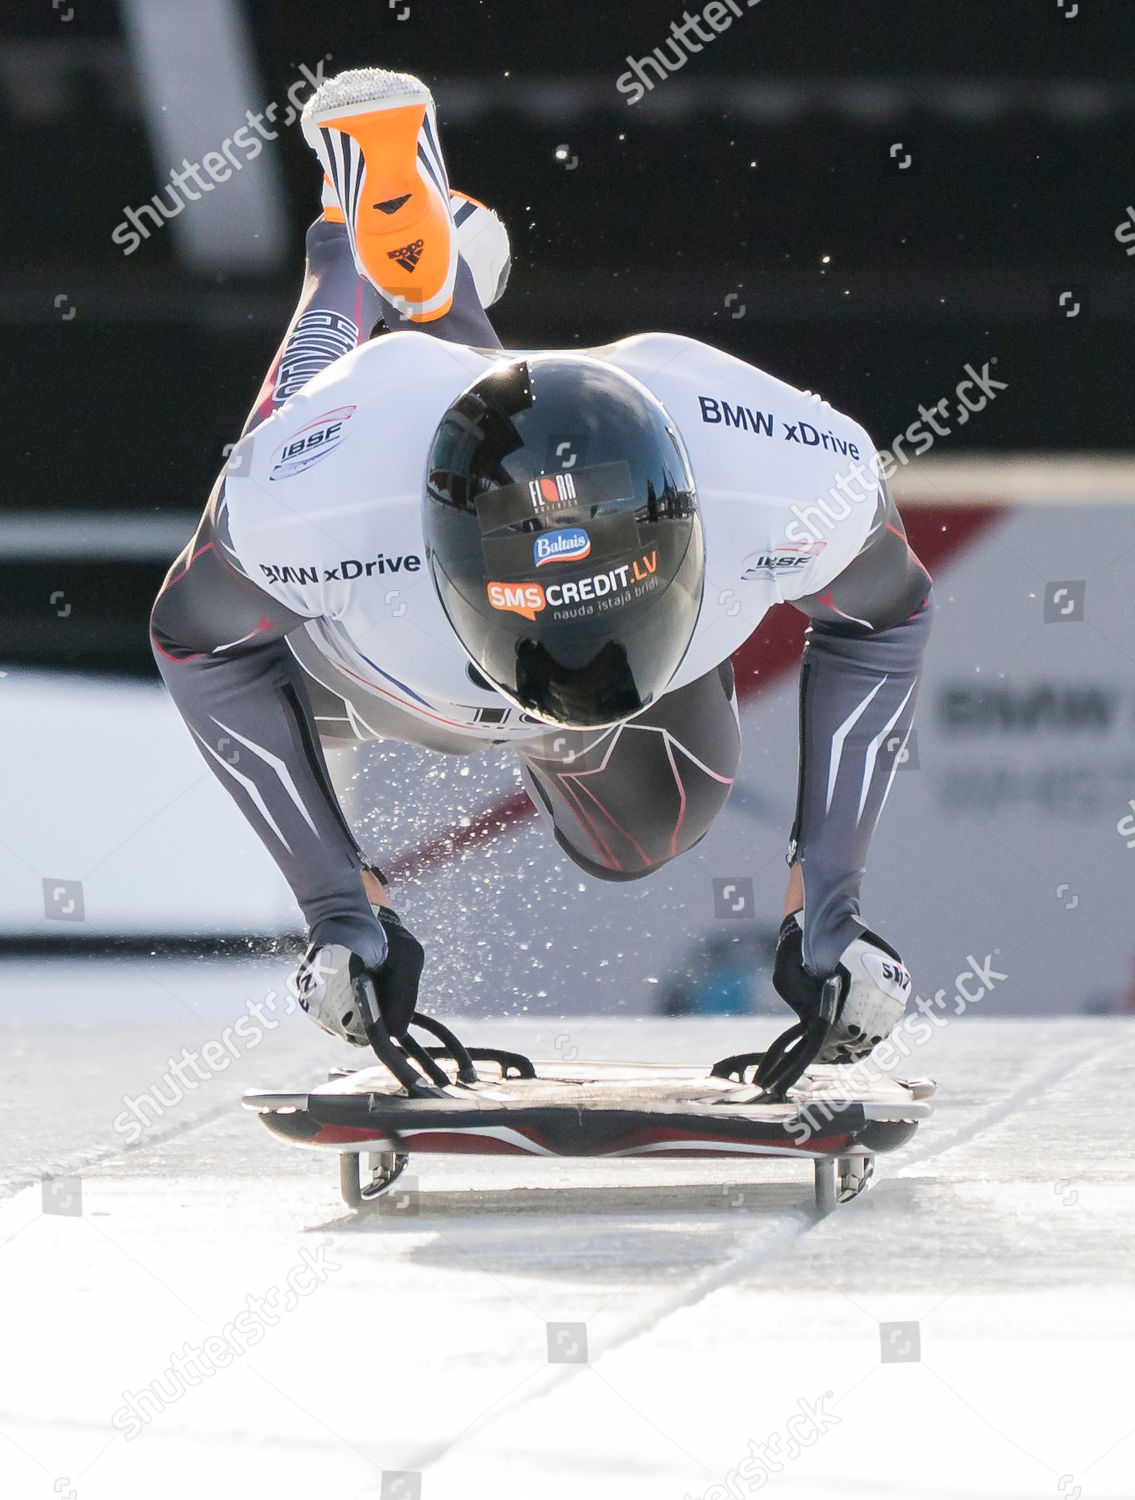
x=383 y=160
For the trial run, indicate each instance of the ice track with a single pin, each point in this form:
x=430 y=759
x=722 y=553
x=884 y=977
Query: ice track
x=715 y=1305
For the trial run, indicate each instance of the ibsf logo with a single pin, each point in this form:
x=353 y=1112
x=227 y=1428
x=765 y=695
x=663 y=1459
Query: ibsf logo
x=310 y=443
x=787 y=559
x=569 y=545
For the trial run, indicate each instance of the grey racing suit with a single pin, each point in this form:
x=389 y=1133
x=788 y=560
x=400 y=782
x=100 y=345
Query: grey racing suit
x=225 y=649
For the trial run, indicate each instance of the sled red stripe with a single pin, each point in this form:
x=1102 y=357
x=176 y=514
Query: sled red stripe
x=343 y=1135
x=460 y=1144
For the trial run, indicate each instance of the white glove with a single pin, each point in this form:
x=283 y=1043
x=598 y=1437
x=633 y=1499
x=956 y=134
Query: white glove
x=875 y=998
x=874 y=989
x=324 y=986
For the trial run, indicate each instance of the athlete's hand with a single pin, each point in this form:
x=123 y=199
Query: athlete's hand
x=396 y=980
x=325 y=982
x=874 y=988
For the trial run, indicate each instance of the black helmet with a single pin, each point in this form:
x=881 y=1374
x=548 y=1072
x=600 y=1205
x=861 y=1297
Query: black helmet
x=563 y=536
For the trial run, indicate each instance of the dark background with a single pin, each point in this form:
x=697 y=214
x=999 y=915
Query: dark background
x=768 y=151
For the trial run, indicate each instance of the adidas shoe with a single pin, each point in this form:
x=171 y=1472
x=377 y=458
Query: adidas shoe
x=482 y=240
x=375 y=133
x=329 y=203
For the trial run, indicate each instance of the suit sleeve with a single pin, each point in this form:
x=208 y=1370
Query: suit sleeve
x=219 y=643
x=859 y=678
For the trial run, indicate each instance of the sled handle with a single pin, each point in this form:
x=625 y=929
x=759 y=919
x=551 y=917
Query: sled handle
x=414 y=1049
x=451 y=1047
x=737 y=1065
x=520 y=1066
x=796 y=1049
x=389 y=1053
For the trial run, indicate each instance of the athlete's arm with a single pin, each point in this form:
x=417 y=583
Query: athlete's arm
x=218 y=642
x=862 y=655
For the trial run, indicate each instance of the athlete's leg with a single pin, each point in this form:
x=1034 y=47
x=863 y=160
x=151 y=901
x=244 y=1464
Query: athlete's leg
x=338 y=309
x=371 y=263
x=336 y=312
x=466 y=322
x=624 y=801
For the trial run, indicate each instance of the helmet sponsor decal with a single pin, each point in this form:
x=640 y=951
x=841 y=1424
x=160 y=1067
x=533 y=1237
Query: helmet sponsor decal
x=551 y=492
x=524 y=598
x=572 y=544
x=552 y=489
x=311 y=443
x=620 y=585
x=605 y=540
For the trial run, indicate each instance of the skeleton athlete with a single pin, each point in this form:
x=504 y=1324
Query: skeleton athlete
x=425 y=537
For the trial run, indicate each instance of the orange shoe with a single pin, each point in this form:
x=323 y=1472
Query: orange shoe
x=482 y=239
x=375 y=134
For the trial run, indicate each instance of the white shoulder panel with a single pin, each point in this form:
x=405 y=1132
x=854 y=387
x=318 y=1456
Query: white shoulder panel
x=787 y=486
x=326 y=494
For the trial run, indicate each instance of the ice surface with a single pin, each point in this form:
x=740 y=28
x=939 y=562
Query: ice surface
x=713 y=1300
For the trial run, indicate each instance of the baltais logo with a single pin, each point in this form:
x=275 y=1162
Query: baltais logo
x=524 y=598
x=569 y=545
x=409 y=255
x=311 y=443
